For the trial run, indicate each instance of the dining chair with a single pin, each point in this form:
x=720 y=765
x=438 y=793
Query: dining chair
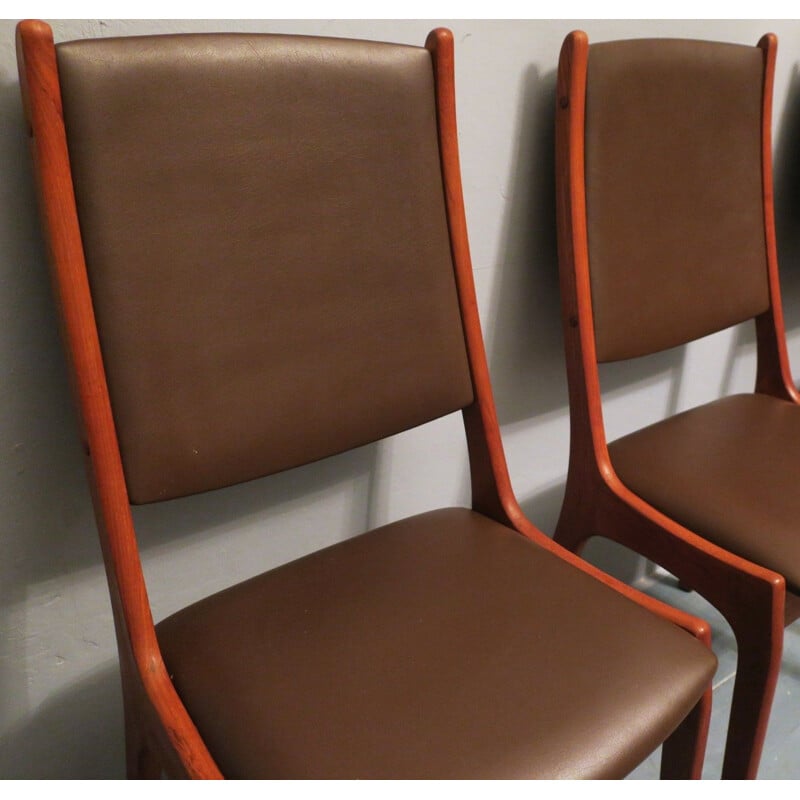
x=260 y=260
x=666 y=235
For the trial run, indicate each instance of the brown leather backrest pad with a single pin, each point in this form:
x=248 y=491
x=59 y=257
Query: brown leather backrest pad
x=265 y=231
x=674 y=191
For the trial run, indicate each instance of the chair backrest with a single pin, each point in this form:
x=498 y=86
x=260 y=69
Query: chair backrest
x=219 y=178
x=675 y=215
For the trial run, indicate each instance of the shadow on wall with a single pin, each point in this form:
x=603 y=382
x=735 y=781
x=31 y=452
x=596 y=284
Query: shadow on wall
x=47 y=524
x=526 y=347
x=75 y=733
x=524 y=328
x=524 y=320
x=786 y=190
x=175 y=519
x=41 y=482
x=786 y=169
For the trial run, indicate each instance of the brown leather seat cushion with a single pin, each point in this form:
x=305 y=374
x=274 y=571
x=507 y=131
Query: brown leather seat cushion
x=727 y=471
x=445 y=646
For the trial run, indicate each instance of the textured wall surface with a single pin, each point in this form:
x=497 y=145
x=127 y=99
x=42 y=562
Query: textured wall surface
x=60 y=705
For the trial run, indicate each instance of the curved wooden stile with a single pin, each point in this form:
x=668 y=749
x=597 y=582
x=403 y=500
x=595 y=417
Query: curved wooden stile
x=156 y=700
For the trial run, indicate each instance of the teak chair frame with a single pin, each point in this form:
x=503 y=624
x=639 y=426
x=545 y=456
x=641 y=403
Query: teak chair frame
x=161 y=737
x=752 y=598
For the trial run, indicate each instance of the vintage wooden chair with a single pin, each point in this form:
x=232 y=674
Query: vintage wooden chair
x=260 y=258
x=666 y=234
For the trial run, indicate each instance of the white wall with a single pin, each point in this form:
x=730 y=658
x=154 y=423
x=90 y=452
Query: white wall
x=60 y=711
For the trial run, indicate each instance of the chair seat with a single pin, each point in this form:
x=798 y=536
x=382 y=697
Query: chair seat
x=727 y=471
x=444 y=646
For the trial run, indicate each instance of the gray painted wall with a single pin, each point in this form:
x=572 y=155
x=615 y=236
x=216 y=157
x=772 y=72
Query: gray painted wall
x=60 y=706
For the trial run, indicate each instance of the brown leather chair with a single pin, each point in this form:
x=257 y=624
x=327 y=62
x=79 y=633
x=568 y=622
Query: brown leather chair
x=666 y=234
x=260 y=258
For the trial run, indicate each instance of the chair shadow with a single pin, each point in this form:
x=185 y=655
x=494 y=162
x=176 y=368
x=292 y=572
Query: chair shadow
x=76 y=732
x=525 y=343
x=786 y=170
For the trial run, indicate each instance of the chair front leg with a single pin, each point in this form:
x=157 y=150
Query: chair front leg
x=682 y=755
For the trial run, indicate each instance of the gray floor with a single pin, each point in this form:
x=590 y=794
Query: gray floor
x=781 y=757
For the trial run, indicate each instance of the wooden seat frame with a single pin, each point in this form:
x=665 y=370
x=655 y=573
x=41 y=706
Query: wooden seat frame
x=597 y=503
x=161 y=736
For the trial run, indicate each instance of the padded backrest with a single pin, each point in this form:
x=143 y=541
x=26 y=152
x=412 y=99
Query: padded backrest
x=265 y=233
x=675 y=215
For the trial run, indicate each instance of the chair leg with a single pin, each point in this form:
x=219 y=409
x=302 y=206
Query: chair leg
x=683 y=753
x=757 y=669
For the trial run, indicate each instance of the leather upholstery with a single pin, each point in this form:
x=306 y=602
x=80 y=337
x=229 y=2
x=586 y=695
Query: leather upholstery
x=673 y=192
x=418 y=631
x=727 y=469
x=213 y=190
